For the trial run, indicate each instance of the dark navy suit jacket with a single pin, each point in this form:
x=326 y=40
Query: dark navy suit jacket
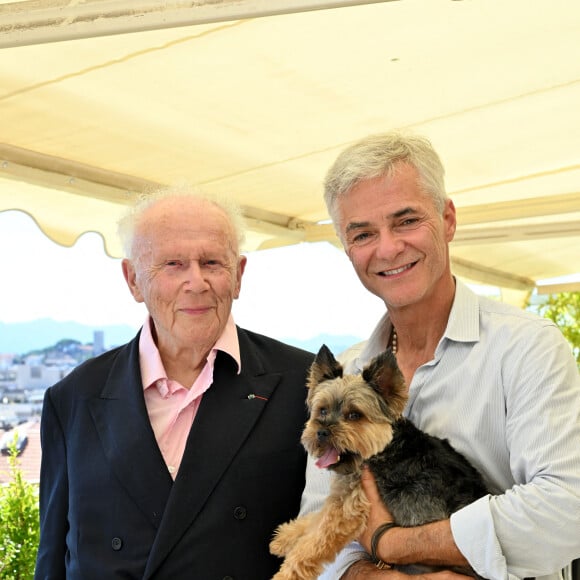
x=109 y=508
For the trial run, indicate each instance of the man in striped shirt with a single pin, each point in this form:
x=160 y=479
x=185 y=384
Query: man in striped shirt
x=500 y=383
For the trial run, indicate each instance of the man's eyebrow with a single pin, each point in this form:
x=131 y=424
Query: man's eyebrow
x=356 y=226
x=403 y=212
x=398 y=214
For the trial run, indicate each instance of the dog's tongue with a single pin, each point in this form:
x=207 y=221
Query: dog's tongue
x=329 y=458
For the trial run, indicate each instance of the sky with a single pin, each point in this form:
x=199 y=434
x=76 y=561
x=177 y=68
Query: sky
x=297 y=292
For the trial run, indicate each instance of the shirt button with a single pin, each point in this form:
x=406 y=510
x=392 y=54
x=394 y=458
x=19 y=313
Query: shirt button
x=116 y=544
x=171 y=469
x=240 y=513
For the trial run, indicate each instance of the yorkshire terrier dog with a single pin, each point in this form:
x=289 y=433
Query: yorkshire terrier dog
x=356 y=420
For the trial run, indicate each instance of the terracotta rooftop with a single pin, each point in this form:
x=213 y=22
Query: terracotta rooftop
x=29 y=459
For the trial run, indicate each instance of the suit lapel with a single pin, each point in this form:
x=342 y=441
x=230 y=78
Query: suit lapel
x=128 y=441
x=238 y=401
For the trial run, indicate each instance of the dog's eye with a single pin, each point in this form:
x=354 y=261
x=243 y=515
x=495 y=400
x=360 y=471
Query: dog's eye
x=353 y=416
x=323 y=412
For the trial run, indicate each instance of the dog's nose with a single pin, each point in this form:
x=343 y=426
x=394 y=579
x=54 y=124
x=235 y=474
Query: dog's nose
x=323 y=434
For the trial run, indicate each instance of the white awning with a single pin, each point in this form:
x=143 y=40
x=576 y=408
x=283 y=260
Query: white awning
x=101 y=99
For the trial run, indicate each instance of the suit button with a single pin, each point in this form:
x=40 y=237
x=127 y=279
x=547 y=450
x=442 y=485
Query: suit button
x=240 y=513
x=116 y=544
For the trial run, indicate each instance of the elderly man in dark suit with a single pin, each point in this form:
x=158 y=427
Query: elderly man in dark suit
x=177 y=454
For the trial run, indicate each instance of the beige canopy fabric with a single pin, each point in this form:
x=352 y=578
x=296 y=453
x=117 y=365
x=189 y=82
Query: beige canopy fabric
x=255 y=98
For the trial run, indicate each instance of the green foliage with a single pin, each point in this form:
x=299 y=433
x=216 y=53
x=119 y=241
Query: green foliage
x=564 y=310
x=19 y=524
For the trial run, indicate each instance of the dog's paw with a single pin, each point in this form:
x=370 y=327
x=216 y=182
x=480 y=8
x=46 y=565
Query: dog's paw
x=279 y=545
x=286 y=536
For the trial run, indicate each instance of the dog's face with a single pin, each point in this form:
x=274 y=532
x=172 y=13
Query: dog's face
x=351 y=416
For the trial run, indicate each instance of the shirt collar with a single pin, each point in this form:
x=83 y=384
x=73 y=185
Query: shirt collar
x=462 y=326
x=463 y=323
x=152 y=368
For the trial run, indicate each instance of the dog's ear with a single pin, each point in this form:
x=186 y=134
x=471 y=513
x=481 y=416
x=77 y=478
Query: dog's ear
x=384 y=376
x=324 y=368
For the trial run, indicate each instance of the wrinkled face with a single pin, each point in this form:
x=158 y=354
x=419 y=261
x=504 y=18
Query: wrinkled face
x=395 y=237
x=187 y=271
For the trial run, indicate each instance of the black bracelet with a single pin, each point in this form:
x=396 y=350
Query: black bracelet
x=375 y=543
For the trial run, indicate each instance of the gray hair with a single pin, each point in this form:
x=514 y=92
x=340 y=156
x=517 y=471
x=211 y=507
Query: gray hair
x=127 y=225
x=377 y=156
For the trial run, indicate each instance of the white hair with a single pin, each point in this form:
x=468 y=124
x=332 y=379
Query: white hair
x=127 y=225
x=378 y=156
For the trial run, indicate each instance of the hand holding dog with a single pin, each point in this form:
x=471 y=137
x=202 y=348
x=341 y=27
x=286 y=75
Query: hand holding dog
x=378 y=514
x=389 y=549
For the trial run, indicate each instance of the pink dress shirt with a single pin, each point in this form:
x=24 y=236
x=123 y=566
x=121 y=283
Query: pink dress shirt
x=170 y=405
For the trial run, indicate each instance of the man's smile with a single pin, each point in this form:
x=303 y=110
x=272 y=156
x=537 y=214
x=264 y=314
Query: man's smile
x=396 y=271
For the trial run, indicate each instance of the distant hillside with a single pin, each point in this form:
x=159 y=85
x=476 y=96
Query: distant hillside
x=335 y=343
x=23 y=337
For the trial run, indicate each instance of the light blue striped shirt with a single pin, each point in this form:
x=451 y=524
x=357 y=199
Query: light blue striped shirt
x=504 y=388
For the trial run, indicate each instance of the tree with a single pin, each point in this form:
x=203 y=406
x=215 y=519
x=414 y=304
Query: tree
x=19 y=524
x=564 y=310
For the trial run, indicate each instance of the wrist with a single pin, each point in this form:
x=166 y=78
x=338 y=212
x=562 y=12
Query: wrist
x=354 y=571
x=362 y=569
x=377 y=535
